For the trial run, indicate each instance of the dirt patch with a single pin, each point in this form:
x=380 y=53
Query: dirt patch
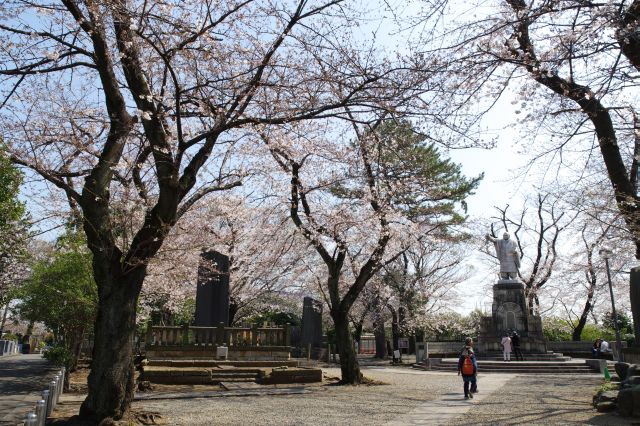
x=78 y=380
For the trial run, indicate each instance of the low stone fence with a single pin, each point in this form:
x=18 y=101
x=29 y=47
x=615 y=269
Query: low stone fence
x=580 y=349
x=443 y=349
x=8 y=347
x=248 y=343
x=229 y=336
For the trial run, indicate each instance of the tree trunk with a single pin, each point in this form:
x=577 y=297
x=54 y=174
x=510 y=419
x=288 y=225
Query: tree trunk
x=378 y=332
x=577 y=332
x=111 y=381
x=4 y=318
x=348 y=361
x=357 y=332
x=634 y=294
x=395 y=329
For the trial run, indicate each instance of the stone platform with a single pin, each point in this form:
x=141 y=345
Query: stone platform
x=211 y=372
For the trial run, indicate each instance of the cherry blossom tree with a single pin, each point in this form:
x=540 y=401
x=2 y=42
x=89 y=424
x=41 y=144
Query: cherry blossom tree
x=14 y=235
x=265 y=256
x=132 y=108
x=359 y=199
x=420 y=282
x=573 y=67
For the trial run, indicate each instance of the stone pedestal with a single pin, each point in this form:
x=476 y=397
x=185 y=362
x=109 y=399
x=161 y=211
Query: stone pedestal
x=510 y=312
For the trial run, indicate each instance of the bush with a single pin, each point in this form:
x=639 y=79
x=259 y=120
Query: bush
x=58 y=356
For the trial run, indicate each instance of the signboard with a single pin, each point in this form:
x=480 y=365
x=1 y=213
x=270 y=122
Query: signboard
x=403 y=343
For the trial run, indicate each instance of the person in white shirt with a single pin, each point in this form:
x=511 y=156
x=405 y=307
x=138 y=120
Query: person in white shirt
x=506 y=347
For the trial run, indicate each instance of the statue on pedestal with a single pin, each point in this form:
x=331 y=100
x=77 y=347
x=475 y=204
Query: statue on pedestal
x=507 y=252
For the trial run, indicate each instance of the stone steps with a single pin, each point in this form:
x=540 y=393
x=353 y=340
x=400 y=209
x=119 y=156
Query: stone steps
x=520 y=367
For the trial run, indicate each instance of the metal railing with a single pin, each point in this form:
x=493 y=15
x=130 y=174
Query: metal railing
x=50 y=398
x=253 y=336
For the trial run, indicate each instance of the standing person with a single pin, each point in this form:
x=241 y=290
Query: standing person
x=506 y=347
x=515 y=341
x=468 y=367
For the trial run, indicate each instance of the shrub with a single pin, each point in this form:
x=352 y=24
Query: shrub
x=58 y=356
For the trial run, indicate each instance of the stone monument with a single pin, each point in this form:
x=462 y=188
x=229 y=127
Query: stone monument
x=311 y=323
x=212 y=293
x=509 y=310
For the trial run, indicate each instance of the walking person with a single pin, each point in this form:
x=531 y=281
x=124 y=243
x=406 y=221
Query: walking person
x=468 y=368
x=506 y=347
x=515 y=342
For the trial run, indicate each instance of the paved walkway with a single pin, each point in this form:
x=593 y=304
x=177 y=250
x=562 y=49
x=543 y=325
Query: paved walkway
x=22 y=379
x=451 y=405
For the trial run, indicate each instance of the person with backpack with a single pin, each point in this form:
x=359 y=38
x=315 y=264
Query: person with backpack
x=468 y=367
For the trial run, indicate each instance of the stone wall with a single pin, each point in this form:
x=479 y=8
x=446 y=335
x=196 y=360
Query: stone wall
x=209 y=352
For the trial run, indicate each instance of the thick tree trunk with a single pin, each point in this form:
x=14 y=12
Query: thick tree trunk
x=577 y=332
x=111 y=381
x=378 y=332
x=348 y=361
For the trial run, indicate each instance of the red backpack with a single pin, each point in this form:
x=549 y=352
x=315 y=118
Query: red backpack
x=467 y=366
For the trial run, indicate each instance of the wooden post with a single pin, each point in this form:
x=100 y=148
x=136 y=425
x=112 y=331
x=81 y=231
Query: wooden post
x=308 y=351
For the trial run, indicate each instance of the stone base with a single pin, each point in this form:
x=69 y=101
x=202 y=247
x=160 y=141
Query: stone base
x=510 y=312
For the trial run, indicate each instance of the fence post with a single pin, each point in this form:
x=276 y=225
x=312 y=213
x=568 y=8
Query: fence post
x=287 y=334
x=254 y=335
x=45 y=396
x=185 y=334
x=60 y=379
x=220 y=334
x=52 y=395
x=41 y=412
x=30 y=419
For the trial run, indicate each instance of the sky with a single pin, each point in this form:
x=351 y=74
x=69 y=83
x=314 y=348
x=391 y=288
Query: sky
x=498 y=187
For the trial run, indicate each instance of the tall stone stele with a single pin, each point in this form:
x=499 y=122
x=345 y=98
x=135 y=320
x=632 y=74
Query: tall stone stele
x=311 y=323
x=212 y=293
x=510 y=311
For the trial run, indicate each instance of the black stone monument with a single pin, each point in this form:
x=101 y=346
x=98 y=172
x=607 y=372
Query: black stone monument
x=212 y=293
x=311 y=323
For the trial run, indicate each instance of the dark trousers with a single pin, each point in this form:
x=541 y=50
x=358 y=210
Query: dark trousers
x=518 y=353
x=470 y=380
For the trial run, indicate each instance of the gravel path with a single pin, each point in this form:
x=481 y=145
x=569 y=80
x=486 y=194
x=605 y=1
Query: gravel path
x=548 y=400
